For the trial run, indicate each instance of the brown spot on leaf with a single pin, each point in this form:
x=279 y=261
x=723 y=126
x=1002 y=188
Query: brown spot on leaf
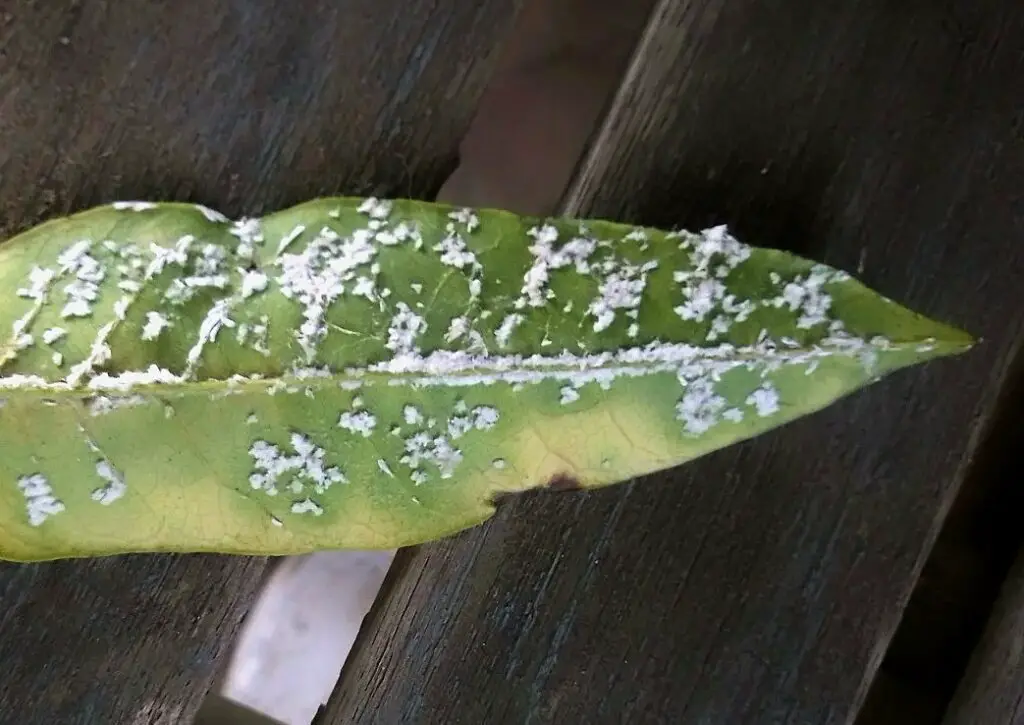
x=564 y=482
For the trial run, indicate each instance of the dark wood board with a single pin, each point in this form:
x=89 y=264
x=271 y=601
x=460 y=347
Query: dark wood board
x=961 y=581
x=991 y=688
x=992 y=691
x=246 y=107
x=762 y=584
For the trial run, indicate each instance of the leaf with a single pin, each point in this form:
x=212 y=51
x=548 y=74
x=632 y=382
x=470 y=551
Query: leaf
x=367 y=373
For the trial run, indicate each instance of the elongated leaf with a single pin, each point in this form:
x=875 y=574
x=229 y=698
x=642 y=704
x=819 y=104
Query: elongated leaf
x=368 y=373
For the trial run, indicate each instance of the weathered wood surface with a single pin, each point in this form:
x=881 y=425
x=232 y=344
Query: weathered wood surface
x=761 y=584
x=961 y=582
x=992 y=691
x=244 y=107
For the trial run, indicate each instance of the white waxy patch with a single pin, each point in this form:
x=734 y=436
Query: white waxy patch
x=412 y=415
x=249 y=232
x=99 y=353
x=385 y=468
x=713 y=255
x=576 y=252
x=252 y=419
x=104 y=404
x=806 y=296
x=83 y=290
x=701 y=407
x=459 y=425
x=164 y=256
x=405 y=327
x=290 y=237
x=375 y=208
x=133 y=205
x=307 y=506
x=467 y=218
x=569 y=394
x=121 y=307
x=39 y=283
x=622 y=289
x=361 y=422
x=485 y=417
x=416 y=287
x=307 y=466
x=274 y=521
x=155 y=325
x=365 y=287
x=765 y=400
x=254 y=281
x=57 y=359
x=53 y=334
x=215 y=319
x=115 y=487
x=40 y=503
x=423 y=448
x=315 y=278
x=508 y=325
x=733 y=415
x=211 y=215
x=458 y=327
x=499 y=463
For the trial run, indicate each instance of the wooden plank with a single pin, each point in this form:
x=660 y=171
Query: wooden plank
x=992 y=691
x=244 y=107
x=761 y=584
x=962 y=579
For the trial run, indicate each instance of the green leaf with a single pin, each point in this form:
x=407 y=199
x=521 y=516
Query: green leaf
x=366 y=373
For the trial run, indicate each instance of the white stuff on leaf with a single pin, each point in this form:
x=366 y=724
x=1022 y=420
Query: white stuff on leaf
x=290 y=237
x=133 y=206
x=508 y=325
x=53 y=334
x=40 y=503
x=405 y=327
x=535 y=291
x=412 y=415
x=458 y=327
x=765 y=400
x=39 y=283
x=155 y=324
x=700 y=407
x=253 y=282
x=344 y=260
x=316 y=277
x=215 y=319
x=361 y=422
x=622 y=288
x=211 y=214
x=104 y=404
x=115 y=487
x=306 y=466
x=569 y=394
x=307 y=506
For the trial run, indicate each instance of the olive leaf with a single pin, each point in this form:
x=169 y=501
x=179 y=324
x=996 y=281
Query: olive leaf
x=369 y=373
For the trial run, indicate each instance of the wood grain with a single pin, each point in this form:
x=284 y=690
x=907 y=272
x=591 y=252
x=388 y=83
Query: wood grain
x=245 y=107
x=992 y=691
x=761 y=584
x=961 y=582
